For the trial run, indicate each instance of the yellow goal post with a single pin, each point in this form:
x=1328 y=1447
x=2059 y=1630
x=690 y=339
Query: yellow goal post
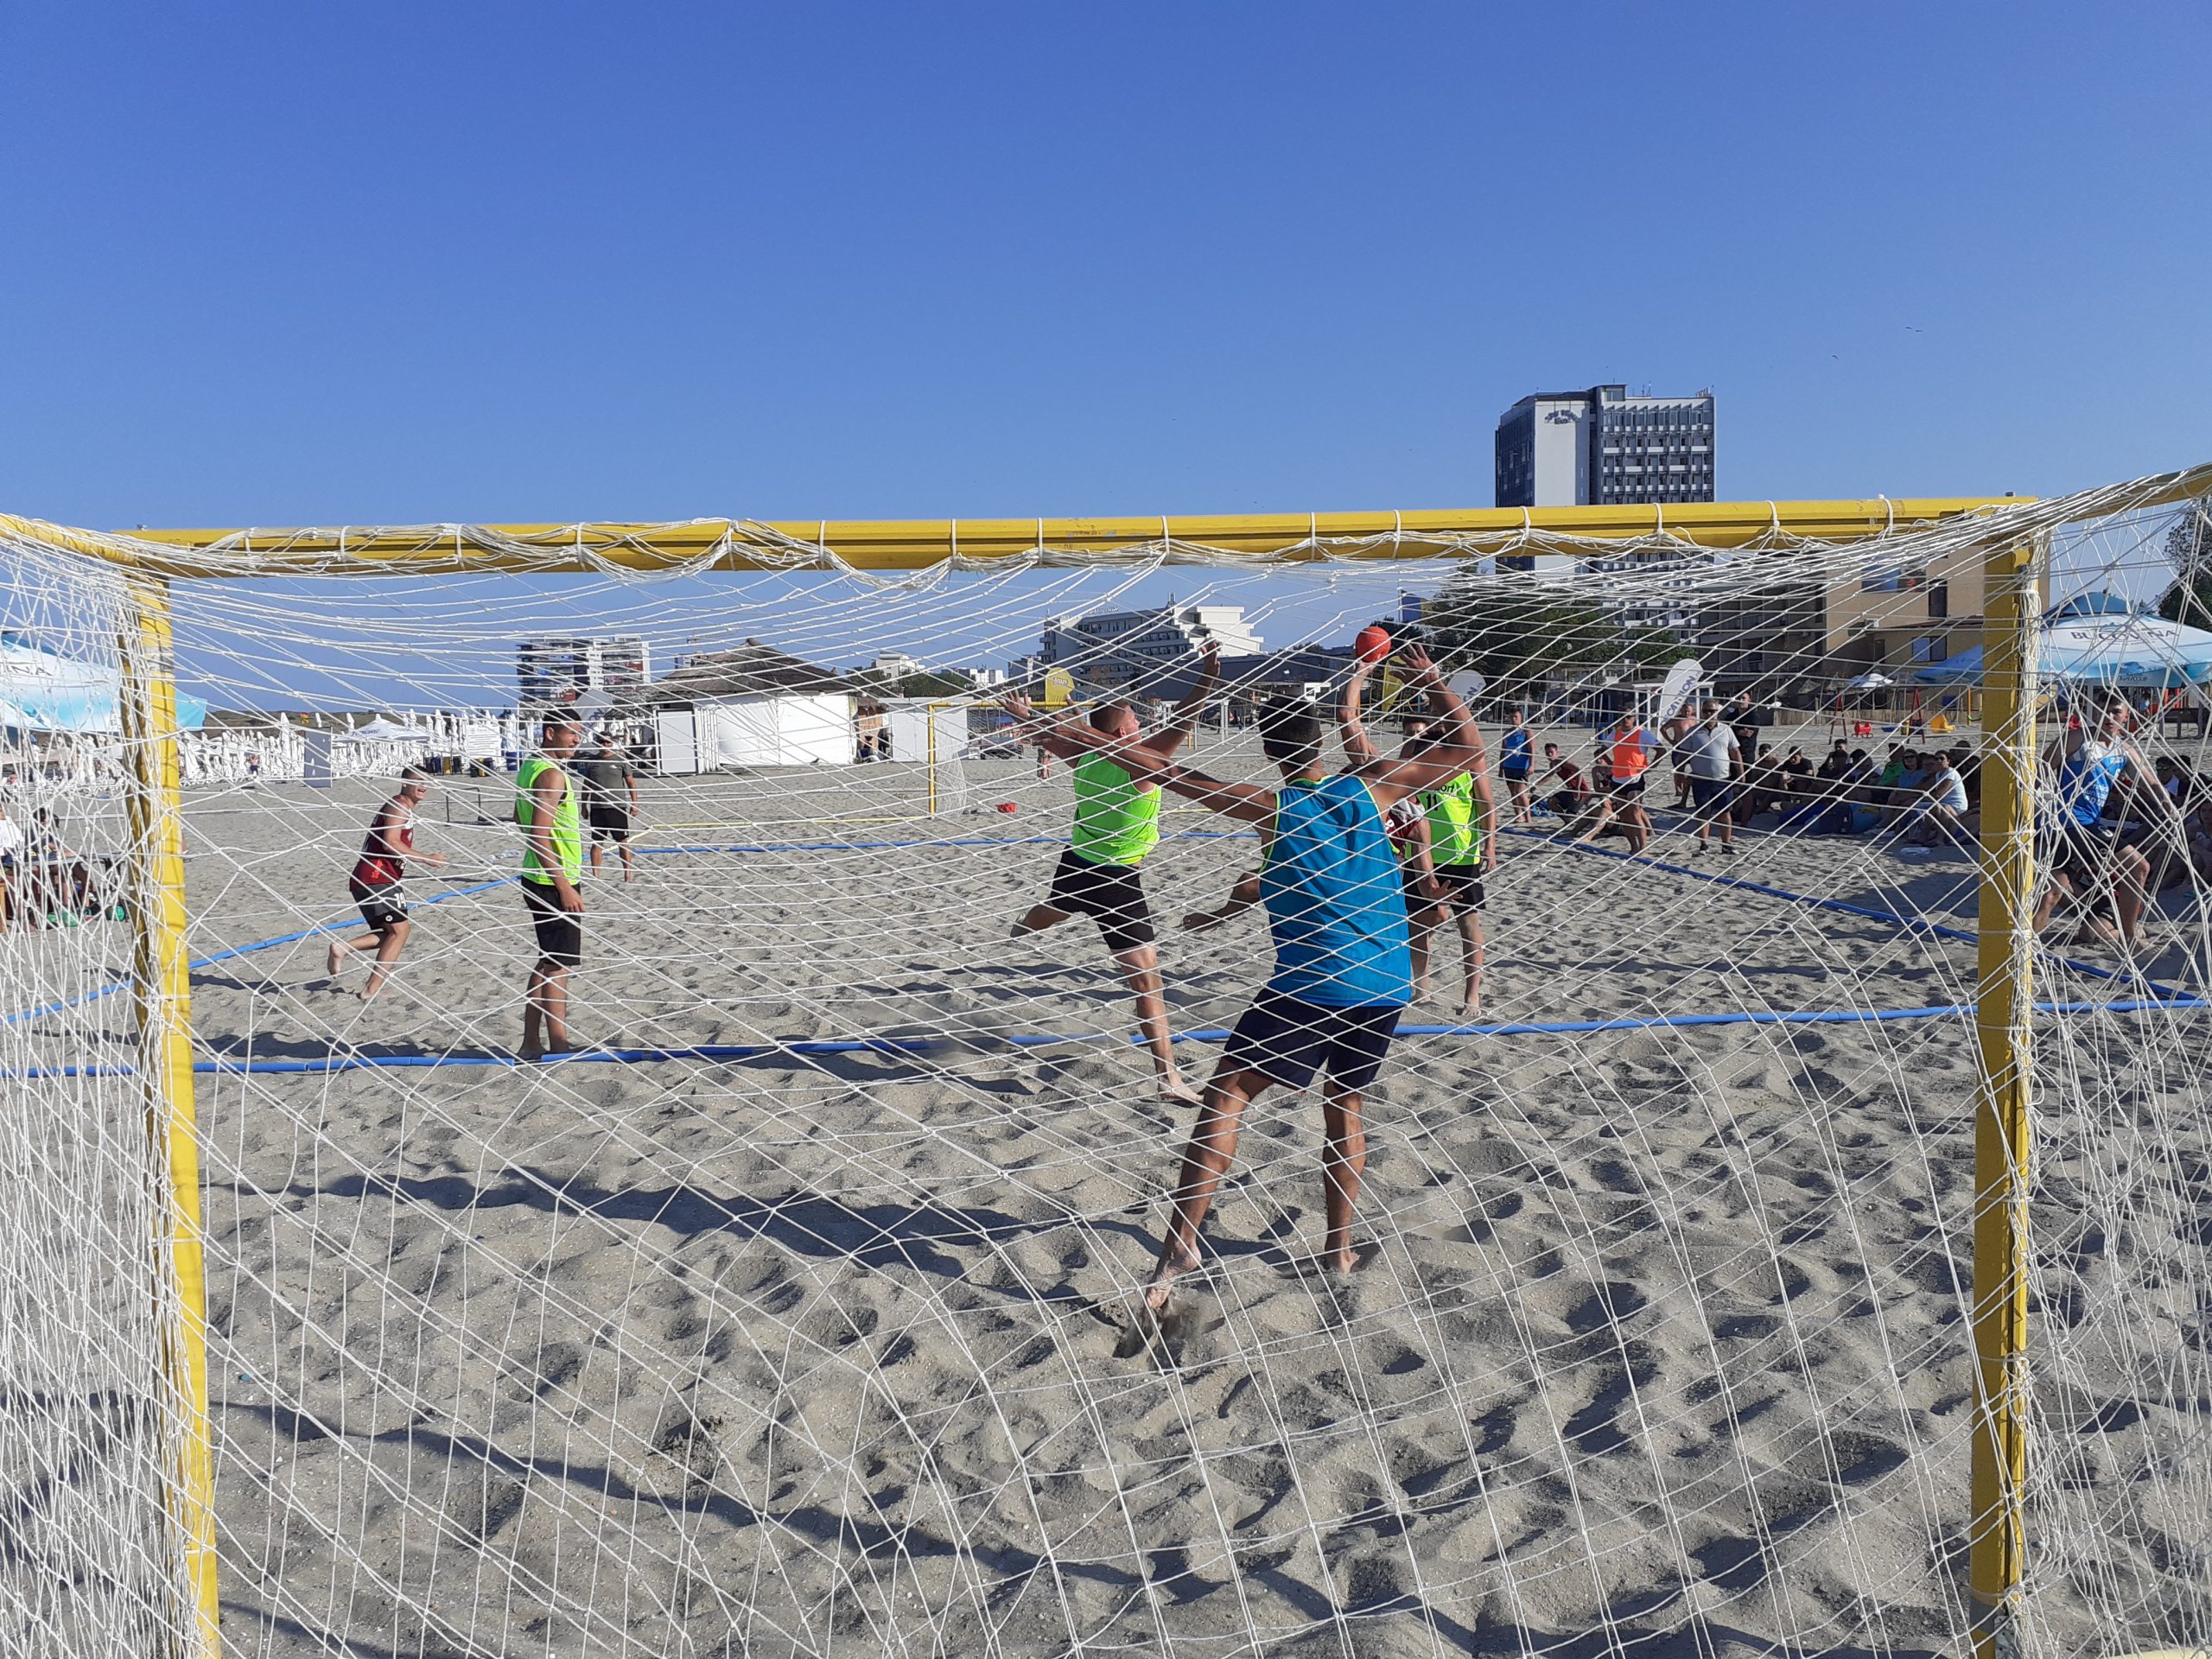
x=2008 y=533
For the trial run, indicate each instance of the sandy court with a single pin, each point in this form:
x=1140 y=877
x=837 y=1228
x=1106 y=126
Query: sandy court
x=813 y=1353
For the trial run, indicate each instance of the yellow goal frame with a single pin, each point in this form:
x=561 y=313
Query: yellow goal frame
x=150 y=558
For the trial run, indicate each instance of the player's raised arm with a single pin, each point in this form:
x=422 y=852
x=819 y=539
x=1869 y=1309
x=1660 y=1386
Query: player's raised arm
x=1459 y=747
x=1359 y=748
x=1165 y=742
x=1248 y=802
x=1049 y=732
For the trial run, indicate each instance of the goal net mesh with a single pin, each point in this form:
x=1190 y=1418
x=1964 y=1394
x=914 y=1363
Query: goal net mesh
x=796 y=1312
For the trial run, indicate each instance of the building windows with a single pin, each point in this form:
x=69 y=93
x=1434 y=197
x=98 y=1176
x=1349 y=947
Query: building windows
x=1939 y=600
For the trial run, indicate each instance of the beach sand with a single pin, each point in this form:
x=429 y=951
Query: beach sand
x=1663 y=1341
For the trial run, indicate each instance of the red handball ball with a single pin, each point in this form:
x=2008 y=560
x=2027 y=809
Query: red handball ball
x=1373 y=644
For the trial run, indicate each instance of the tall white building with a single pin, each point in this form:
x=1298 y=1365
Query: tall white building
x=551 y=671
x=1117 y=647
x=1604 y=447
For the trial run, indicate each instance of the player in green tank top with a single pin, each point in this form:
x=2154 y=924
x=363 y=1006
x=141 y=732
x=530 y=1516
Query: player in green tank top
x=1117 y=824
x=1447 y=837
x=552 y=866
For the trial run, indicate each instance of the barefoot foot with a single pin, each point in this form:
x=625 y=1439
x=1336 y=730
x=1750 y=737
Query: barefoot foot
x=1164 y=1276
x=332 y=957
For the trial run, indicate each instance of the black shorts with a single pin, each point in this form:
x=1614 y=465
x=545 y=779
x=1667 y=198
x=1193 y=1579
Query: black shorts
x=1514 y=774
x=1462 y=884
x=1626 y=789
x=609 y=822
x=560 y=932
x=380 y=906
x=2080 y=853
x=1110 y=894
x=1288 y=1041
x=1709 y=794
x=1567 y=803
x=1411 y=880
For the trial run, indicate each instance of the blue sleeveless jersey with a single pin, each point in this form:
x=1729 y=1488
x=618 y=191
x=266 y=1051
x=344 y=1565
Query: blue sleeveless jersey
x=1336 y=902
x=2086 y=778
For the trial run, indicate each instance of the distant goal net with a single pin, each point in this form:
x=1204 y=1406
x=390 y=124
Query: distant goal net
x=1724 y=1159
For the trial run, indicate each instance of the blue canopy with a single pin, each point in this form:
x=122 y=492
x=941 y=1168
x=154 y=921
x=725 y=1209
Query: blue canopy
x=42 y=691
x=2097 y=640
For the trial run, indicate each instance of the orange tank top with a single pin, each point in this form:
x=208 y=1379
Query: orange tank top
x=1631 y=758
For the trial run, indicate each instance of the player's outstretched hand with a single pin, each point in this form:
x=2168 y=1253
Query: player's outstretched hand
x=1199 y=920
x=1015 y=705
x=1419 y=669
x=1209 y=666
x=436 y=861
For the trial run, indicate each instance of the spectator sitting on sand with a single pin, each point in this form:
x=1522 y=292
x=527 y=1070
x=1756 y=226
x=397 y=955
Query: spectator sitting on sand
x=1578 y=803
x=1939 y=806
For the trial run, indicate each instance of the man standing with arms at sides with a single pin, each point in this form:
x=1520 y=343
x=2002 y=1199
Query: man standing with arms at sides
x=552 y=865
x=1344 y=970
x=1708 y=747
x=1117 y=824
x=375 y=882
x=1630 y=748
x=1516 y=765
x=610 y=785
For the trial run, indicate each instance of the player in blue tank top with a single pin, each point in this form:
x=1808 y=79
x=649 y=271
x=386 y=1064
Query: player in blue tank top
x=1329 y=878
x=1517 y=765
x=2085 y=864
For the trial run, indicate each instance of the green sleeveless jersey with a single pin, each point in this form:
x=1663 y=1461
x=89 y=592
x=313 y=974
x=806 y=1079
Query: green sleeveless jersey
x=1116 y=823
x=1454 y=837
x=567 y=829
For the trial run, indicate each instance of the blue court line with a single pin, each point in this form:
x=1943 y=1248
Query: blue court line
x=344 y=924
x=339 y=924
x=912 y=1046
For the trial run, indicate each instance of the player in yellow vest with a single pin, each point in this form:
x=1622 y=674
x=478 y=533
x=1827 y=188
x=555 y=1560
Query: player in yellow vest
x=1117 y=824
x=552 y=872
x=1463 y=849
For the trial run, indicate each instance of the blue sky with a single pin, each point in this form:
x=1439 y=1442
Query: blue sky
x=283 y=263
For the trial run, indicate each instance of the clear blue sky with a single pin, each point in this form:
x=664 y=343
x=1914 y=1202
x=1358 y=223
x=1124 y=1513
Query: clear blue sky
x=320 y=263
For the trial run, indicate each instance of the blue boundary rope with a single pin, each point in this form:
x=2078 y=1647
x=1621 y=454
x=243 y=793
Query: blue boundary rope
x=2167 y=999
x=913 y=1046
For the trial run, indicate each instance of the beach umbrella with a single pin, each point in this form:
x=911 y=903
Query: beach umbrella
x=1873 y=681
x=2098 y=639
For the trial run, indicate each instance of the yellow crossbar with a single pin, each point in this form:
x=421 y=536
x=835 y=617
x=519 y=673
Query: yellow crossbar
x=898 y=544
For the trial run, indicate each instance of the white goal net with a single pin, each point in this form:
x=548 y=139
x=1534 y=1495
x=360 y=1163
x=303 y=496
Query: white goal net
x=797 y=1302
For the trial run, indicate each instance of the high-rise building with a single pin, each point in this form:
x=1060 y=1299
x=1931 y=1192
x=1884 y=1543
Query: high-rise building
x=1604 y=447
x=555 y=670
x=1120 y=647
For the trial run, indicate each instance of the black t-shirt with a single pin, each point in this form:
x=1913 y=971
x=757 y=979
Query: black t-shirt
x=1745 y=722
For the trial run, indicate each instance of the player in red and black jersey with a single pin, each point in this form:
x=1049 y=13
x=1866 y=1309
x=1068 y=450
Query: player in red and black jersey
x=376 y=883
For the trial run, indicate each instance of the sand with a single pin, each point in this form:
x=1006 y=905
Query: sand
x=1662 y=1346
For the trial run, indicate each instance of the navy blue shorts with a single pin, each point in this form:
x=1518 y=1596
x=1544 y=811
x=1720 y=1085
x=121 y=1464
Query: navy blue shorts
x=1708 y=794
x=1289 y=1041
